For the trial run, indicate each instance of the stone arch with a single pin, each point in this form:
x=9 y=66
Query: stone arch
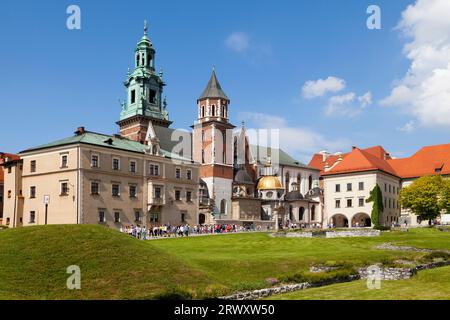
x=361 y=219
x=301 y=213
x=339 y=221
x=201 y=218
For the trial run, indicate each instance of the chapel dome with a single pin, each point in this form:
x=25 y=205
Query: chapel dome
x=269 y=183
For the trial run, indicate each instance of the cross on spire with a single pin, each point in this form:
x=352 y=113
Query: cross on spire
x=145 y=27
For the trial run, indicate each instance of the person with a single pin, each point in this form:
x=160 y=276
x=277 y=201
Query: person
x=144 y=233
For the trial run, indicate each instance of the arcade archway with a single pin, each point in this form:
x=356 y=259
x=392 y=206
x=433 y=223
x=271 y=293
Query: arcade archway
x=361 y=220
x=339 y=221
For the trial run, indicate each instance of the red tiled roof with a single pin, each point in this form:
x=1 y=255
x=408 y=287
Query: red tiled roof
x=3 y=155
x=427 y=161
x=361 y=160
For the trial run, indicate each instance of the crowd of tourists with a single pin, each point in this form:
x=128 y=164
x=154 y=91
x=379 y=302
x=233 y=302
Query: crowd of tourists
x=183 y=230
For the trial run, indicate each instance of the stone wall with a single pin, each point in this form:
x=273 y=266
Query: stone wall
x=388 y=273
x=299 y=235
x=353 y=233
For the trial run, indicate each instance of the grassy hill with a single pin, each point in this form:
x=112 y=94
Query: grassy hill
x=33 y=261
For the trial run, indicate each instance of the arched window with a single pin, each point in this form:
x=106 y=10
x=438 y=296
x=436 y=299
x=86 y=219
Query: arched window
x=301 y=213
x=213 y=110
x=291 y=217
x=203 y=111
x=286 y=182
x=203 y=156
x=222 y=111
x=313 y=213
x=223 y=206
x=299 y=180
x=137 y=60
x=310 y=180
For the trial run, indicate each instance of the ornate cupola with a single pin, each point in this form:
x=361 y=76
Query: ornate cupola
x=144 y=87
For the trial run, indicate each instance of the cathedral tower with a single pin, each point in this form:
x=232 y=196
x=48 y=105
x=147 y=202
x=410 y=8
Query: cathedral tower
x=212 y=145
x=144 y=94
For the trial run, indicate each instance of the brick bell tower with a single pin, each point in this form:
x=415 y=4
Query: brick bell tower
x=144 y=87
x=212 y=145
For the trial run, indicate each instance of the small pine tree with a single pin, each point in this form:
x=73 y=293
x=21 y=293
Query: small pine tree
x=376 y=197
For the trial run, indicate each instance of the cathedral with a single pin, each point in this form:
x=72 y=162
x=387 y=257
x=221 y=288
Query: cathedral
x=152 y=174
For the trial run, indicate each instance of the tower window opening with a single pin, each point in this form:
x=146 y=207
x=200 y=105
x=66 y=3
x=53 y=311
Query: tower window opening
x=133 y=96
x=152 y=96
x=213 y=110
x=203 y=111
x=137 y=60
x=222 y=112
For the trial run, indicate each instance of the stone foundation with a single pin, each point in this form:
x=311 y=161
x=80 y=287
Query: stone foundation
x=353 y=233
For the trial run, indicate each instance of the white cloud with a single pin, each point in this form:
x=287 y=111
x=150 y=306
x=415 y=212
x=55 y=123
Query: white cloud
x=312 y=89
x=300 y=142
x=410 y=126
x=238 y=42
x=424 y=91
x=348 y=105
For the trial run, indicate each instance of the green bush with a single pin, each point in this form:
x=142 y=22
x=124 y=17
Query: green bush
x=323 y=277
x=173 y=294
x=437 y=255
x=382 y=228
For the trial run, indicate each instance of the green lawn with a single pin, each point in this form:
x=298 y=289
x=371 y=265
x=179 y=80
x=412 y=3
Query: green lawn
x=431 y=284
x=33 y=261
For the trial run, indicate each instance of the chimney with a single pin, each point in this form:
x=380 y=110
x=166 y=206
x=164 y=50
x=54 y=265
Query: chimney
x=354 y=147
x=80 y=131
x=324 y=154
x=387 y=156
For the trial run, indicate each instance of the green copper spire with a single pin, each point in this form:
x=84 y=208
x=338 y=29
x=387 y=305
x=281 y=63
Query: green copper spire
x=144 y=85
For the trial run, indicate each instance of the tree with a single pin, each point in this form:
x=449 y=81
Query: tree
x=376 y=197
x=426 y=197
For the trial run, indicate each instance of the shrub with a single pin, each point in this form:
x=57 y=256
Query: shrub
x=174 y=294
x=437 y=255
x=382 y=228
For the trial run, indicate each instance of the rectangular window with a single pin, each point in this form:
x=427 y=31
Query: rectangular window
x=94 y=161
x=101 y=216
x=9 y=193
x=338 y=203
x=349 y=187
x=154 y=217
x=189 y=174
x=64 y=161
x=157 y=192
x=137 y=216
x=390 y=189
x=177 y=195
x=33 y=166
x=32 y=216
x=33 y=192
x=183 y=217
x=338 y=188
x=361 y=202
x=117 y=216
x=115 y=190
x=178 y=173
x=94 y=187
x=349 y=203
x=385 y=187
x=116 y=164
x=389 y=203
x=133 y=192
x=154 y=170
x=133 y=166
x=64 y=188
x=9 y=169
x=361 y=186
x=188 y=196
x=133 y=96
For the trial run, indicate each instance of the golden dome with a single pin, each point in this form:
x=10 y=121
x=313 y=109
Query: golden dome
x=269 y=183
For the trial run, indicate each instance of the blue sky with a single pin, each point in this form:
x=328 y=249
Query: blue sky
x=53 y=80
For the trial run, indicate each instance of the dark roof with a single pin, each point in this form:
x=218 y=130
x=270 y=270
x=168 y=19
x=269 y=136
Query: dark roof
x=314 y=192
x=109 y=141
x=242 y=176
x=293 y=195
x=213 y=89
x=259 y=152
